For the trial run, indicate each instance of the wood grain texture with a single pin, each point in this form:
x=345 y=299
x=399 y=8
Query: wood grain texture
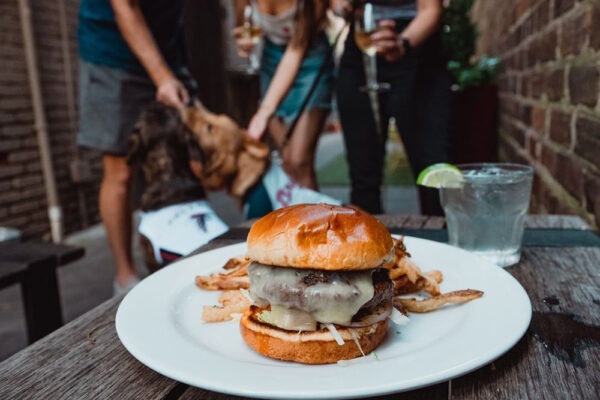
x=82 y=360
x=435 y=392
x=558 y=281
x=556 y=222
x=69 y=364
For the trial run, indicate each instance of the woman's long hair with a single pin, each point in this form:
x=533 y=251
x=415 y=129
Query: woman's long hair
x=309 y=20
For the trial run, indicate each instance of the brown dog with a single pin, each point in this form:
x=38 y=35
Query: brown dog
x=230 y=160
x=162 y=144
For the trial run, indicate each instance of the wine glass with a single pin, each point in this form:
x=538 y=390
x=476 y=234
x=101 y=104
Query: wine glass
x=365 y=24
x=254 y=32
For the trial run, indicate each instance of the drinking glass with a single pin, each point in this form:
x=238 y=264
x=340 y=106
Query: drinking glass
x=252 y=31
x=486 y=214
x=365 y=24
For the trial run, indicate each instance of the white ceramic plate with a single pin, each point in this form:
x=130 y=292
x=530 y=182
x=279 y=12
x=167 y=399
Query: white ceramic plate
x=159 y=323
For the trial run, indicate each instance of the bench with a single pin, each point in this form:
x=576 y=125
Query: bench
x=33 y=266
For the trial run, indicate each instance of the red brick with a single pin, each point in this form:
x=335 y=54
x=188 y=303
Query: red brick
x=570 y=175
x=573 y=36
x=583 y=85
x=555 y=84
x=560 y=128
x=537 y=85
x=562 y=6
x=532 y=143
x=592 y=196
x=592 y=25
x=547 y=46
x=522 y=6
x=587 y=144
x=549 y=159
x=538 y=119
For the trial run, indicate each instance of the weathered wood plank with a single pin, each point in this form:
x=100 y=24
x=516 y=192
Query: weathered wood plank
x=560 y=283
x=435 y=222
x=436 y=392
x=556 y=222
x=392 y=221
x=82 y=360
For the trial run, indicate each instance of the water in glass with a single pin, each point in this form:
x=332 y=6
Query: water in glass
x=486 y=215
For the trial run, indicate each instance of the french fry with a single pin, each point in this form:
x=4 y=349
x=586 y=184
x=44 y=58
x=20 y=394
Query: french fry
x=233 y=302
x=436 y=302
x=236 y=262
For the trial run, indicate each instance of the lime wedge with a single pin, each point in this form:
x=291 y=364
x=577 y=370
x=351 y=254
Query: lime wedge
x=441 y=176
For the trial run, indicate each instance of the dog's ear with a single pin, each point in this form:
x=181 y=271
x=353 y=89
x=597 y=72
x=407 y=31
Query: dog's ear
x=255 y=148
x=250 y=170
x=134 y=146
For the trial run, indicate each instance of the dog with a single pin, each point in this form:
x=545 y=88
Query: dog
x=245 y=167
x=175 y=217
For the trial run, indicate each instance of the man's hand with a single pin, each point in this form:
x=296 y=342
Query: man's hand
x=387 y=41
x=259 y=122
x=171 y=92
x=245 y=45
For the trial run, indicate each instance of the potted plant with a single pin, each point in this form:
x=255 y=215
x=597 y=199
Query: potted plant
x=474 y=93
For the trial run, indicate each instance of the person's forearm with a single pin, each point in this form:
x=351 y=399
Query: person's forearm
x=134 y=29
x=425 y=23
x=284 y=77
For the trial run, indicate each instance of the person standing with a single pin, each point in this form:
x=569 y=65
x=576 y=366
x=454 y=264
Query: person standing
x=411 y=60
x=131 y=52
x=295 y=47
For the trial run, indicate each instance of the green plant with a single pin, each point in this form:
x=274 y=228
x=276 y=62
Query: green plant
x=459 y=38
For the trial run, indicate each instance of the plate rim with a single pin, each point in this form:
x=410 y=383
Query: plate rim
x=374 y=390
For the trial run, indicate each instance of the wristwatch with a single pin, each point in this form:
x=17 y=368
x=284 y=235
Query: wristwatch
x=406 y=45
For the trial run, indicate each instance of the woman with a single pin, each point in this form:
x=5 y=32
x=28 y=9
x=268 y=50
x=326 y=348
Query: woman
x=295 y=47
x=411 y=61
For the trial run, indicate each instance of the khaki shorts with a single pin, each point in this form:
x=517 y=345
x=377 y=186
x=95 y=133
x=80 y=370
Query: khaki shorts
x=110 y=102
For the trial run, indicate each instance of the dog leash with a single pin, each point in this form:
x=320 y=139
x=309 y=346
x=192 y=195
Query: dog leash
x=328 y=60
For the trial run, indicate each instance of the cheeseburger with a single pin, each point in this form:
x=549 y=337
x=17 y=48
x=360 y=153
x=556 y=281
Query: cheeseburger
x=319 y=285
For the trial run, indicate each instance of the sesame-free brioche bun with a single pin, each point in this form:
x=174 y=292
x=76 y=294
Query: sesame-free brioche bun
x=320 y=236
x=308 y=347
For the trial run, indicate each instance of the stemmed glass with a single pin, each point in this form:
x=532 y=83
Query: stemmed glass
x=365 y=24
x=253 y=32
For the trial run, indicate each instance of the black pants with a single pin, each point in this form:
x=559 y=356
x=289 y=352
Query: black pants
x=418 y=100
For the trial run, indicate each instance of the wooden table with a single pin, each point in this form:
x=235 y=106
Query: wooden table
x=558 y=358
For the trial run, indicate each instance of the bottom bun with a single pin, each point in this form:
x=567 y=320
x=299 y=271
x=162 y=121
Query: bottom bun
x=311 y=347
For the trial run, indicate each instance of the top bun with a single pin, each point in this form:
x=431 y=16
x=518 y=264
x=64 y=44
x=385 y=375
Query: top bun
x=320 y=236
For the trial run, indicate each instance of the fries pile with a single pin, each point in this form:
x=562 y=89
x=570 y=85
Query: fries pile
x=235 y=276
x=404 y=273
x=408 y=278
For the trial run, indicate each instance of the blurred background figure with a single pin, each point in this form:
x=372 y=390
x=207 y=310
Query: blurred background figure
x=294 y=48
x=406 y=36
x=131 y=52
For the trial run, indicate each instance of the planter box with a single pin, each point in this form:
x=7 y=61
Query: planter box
x=473 y=125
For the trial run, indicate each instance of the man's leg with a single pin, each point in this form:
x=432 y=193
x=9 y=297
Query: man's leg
x=115 y=210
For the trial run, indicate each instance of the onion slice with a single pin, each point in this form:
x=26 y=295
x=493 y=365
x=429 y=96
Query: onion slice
x=358 y=360
x=380 y=313
x=398 y=318
x=355 y=337
x=336 y=334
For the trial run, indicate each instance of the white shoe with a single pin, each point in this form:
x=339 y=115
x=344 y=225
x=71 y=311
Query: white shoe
x=120 y=290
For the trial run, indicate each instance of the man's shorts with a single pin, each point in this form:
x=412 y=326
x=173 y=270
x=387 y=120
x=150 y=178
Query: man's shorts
x=111 y=101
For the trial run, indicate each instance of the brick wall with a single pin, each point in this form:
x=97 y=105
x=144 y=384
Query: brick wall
x=22 y=194
x=549 y=96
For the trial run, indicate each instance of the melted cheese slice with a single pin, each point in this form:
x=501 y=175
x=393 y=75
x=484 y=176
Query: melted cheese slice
x=335 y=301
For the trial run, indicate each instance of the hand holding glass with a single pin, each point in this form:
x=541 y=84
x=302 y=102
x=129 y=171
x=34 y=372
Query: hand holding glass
x=254 y=33
x=365 y=25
